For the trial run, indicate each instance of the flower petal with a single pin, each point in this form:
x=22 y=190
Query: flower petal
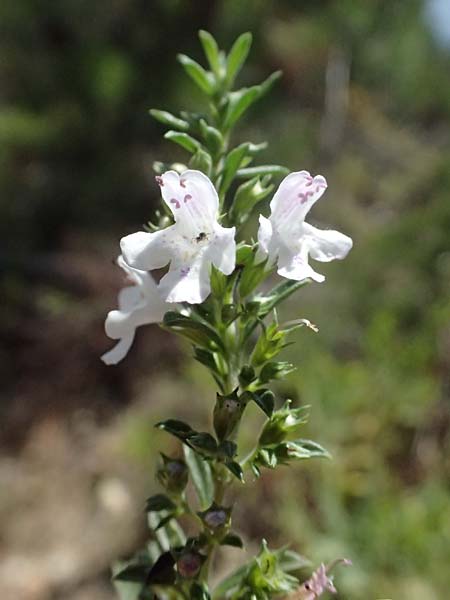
x=119 y=351
x=192 y=199
x=295 y=266
x=187 y=282
x=294 y=198
x=147 y=251
x=222 y=250
x=265 y=234
x=326 y=245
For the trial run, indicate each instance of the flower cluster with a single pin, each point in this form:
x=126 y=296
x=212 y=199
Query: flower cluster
x=197 y=240
x=213 y=291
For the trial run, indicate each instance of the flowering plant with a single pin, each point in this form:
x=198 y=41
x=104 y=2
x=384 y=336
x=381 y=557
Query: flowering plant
x=215 y=293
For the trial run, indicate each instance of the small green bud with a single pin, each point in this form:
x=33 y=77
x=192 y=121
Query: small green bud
x=282 y=423
x=172 y=474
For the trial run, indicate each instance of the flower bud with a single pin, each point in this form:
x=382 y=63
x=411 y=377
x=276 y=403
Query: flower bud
x=216 y=519
x=227 y=414
x=189 y=564
x=172 y=474
x=282 y=423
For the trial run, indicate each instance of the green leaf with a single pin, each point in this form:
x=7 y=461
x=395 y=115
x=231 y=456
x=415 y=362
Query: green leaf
x=247 y=196
x=267 y=84
x=168 y=119
x=246 y=375
x=219 y=282
x=232 y=539
x=252 y=275
x=237 y=56
x=201 y=476
x=199 y=592
x=262 y=170
x=179 y=429
x=197 y=332
x=211 y=51
x=136 y=573
x=278 y=294
x=265 y=399
x=162 y=572
x=236 y=469
x=290 y=560
x=164 y=521
x=238 y=103
x=231 y=166
x=227 y=449
x=240 y=100
x=301 y=450
x=212 y=136
x=205 y=357
x=244 y=254
x=184 y=140
x=275 y=370
x=204 y=443
x=201 y=161
x=197 y=73
x=159 y=502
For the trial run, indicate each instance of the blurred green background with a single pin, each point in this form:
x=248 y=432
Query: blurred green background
x=365 y=100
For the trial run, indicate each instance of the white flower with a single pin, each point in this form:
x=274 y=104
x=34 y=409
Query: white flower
x=286 y=236
x=139 y=304
x=191 y=245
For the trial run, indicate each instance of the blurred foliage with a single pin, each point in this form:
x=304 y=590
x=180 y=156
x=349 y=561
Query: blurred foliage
x=365 y=100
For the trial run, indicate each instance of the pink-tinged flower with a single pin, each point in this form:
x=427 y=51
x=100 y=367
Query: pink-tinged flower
x=191 y=245
x=285 y=236
x=139 y=304
x=319 y=582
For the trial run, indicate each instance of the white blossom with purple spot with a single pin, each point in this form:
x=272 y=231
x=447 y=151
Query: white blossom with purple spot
x=194 y=243
x=286 y=238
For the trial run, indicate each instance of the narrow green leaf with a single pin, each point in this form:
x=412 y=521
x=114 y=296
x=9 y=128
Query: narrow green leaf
x=205 y=357
x=212 y=136
x=252 y=275
x=237 y=56
x=179 y=429
x=211 y=50
x=265 y=399
x=166 y=118
x=304 y=449
x=232 y=539
x=238 y=103
x=268 y=83
x=262 y=170
x=204 y=443
x=184 y=140
x=199 y=592
x=201 y=476
x=236 y=469
x=197 y=73
x=197 y=332
x=290 y=560
x=247 y=196
x=231 y=166
x=159 y=502
x=201 y=161
x=135 y=573
x=240 y=100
